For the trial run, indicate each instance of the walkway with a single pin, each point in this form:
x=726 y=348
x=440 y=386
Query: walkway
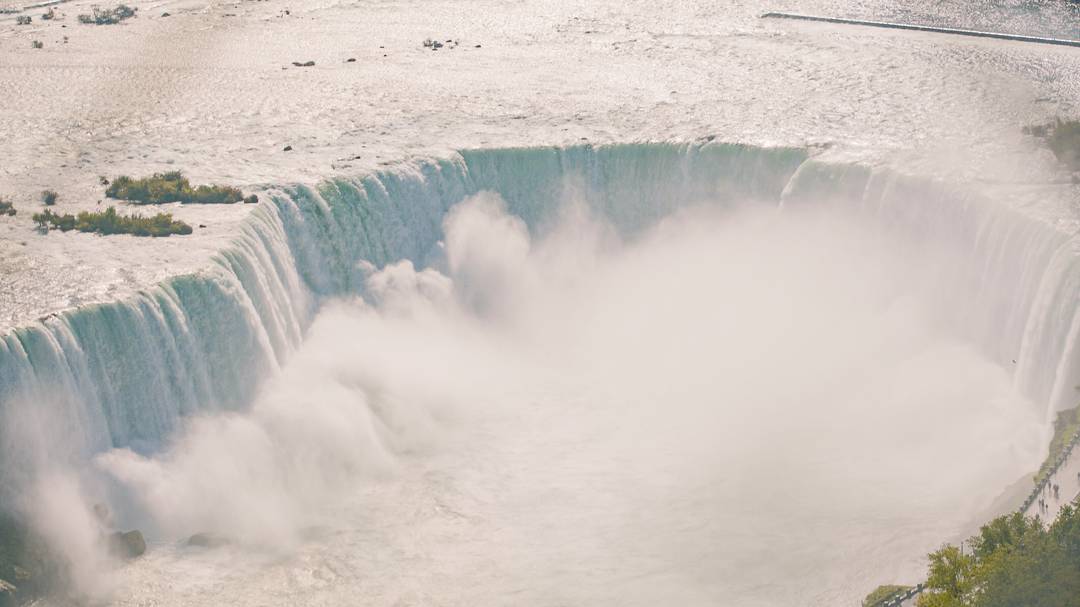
x=1067 y=478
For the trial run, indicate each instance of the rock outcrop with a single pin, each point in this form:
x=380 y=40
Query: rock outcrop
x=127 y=545
x=207 y=540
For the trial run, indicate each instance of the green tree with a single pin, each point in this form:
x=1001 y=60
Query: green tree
x=949 y=583
x=1015 y=562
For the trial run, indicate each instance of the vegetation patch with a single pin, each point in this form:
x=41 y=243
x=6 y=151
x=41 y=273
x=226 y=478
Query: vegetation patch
x=1013 y=561
x=1063 y=139
x=170 y=187
x=1066 y=426
x=49 y=197
x=882 y=594
x=6 y=207
x=23 y=20
x=110 y=222
x=108 y=16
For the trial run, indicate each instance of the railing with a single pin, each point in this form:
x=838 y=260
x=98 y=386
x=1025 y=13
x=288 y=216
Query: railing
x=925 y=28
x=898 y=599
x=1061 y=458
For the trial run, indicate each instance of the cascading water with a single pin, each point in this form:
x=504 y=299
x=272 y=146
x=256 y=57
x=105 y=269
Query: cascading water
x=124 y=374
x=128 y=371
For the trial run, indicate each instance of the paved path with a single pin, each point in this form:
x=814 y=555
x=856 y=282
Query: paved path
x=1067 y=478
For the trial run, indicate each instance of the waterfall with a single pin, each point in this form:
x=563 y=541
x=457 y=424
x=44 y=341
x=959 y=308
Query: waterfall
x=123 y=374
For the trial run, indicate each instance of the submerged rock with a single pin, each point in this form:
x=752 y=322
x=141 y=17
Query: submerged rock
x=127 y=545
x=21 y=575
x=207 y=540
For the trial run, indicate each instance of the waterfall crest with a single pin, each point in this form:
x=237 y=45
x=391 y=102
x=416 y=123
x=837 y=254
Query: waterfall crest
x=123 y=374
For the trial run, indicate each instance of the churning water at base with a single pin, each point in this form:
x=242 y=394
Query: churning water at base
x=737 y=407
x=629 y=377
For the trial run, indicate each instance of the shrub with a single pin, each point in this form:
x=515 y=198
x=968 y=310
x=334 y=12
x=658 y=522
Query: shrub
x=1063 y=139
x=108 y=16
x=49 y=197
x=43 y=220
x=881 y=594
x=110 y=222
x=206 y=194
x=170 y=187
x=37 y=44
x=23 y=20
x=49 y=15
x=6 y=207
x=1064 y=142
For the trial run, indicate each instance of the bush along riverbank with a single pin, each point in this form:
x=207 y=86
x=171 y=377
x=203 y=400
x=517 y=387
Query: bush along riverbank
x=111 y=222
x=172 y=187
x=887 y=595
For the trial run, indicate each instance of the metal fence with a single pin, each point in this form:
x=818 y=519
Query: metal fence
x=1061 y=458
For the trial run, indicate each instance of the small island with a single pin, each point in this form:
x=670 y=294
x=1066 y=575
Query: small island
x=172 y=187
x=110 y=222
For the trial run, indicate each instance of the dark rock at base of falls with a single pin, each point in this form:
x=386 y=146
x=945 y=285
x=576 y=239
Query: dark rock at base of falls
x=8 y=594
x=127 y=545
x=26 y=565
x=207 y=540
